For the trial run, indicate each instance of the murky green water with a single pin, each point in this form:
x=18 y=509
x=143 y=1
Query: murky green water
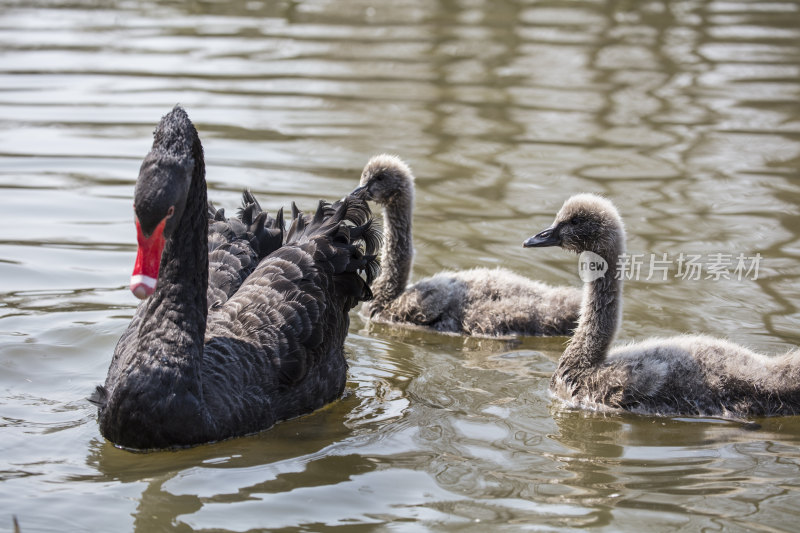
x=686 y=113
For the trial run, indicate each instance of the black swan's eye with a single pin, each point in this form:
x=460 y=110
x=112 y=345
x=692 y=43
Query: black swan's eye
x=576 y=220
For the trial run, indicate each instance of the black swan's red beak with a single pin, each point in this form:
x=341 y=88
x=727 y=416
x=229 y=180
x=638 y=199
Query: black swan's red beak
x=148 y=259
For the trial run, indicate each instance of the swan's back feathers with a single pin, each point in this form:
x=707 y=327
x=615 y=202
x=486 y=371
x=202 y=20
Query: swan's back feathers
x=266 y=233
x=237 y=244
x=293 y=309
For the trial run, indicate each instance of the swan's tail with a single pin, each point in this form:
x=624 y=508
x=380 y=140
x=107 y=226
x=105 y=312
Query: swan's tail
x=346 y=238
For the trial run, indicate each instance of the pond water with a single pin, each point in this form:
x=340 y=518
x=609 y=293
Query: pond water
x=686 y=113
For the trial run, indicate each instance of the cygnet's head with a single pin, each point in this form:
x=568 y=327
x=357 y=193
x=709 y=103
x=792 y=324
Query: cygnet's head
x=586 y=222
x=386 y=179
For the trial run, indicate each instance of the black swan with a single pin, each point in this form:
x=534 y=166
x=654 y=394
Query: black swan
x=688 y=375
x=269 y=347
x=480 y=301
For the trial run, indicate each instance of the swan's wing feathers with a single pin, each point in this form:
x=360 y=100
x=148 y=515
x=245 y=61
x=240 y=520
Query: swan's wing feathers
x=214 y=213
x=236 y=245
x=347 y=221
x=321 y=213
x=252 y=224
x=298 y=224
x=279 y=310
x=250 y=208
x=343 y=237
x=295 y=304
x=268 y=232
x=371 y=234
x=221 y=232
x=99 y=397
x=231 y=258
x=328 y=218
x=264 y=233
x=229 y=265
x=294 y=363
x=367 y=233
x=300 y=336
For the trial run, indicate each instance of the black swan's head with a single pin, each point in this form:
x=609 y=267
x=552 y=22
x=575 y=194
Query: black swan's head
x=160 y=195
x=386 y=179
x=586 y=222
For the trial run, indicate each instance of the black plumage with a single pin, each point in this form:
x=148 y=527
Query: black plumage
x=237 y=244
x=270 y=346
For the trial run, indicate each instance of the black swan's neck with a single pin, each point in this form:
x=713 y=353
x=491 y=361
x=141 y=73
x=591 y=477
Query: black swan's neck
x=174 y=323
x=601 y=311
x=398 y=252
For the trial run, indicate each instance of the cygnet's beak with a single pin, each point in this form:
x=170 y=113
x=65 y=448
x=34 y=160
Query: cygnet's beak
x=548 y=237
x=361 y=192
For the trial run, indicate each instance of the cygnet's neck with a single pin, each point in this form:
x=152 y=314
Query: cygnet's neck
x=601 y=313
x=398 y=250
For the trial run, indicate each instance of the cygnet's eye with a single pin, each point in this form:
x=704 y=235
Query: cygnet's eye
x=577 y=219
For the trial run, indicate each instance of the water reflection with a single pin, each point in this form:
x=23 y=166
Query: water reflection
x=305 y=452
x=642 y=458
